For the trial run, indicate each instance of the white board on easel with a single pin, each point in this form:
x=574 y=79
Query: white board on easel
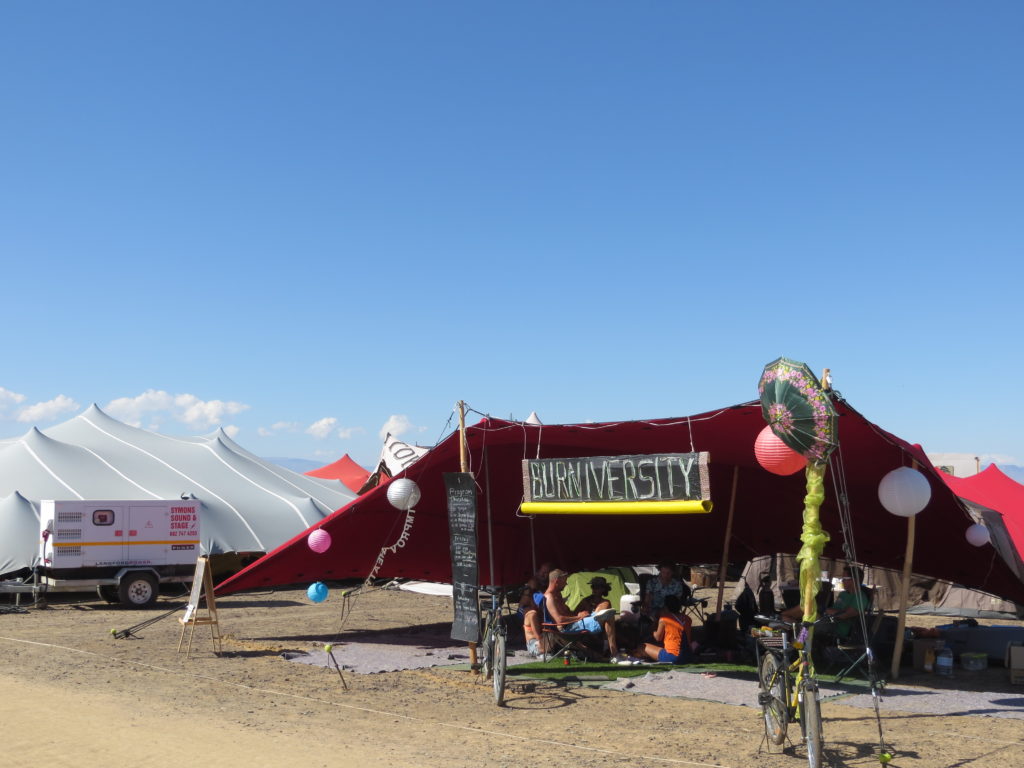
x=202 y=589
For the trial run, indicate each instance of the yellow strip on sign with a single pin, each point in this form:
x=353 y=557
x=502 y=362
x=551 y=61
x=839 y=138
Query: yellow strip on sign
x=116 y=543
x=616 y=507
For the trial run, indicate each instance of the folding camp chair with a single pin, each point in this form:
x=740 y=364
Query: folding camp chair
x=582 y=642
x=696 y=607
x=855 y=651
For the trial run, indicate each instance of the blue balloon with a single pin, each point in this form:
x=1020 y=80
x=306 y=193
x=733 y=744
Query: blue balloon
x=317 y=592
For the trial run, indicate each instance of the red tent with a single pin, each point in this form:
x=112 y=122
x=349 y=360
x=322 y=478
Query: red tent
x=767 y=513
x=344 y=469
x=993 y=489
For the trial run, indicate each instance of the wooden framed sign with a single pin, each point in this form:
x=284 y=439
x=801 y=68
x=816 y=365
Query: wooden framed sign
x=665 y=483
x=202 y=589
x=460 y=489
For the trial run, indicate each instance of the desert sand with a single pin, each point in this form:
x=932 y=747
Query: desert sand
x=73 y=695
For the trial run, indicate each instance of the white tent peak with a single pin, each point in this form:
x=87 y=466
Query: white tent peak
x=534 y=419
x=248 y=504
x=35 y=436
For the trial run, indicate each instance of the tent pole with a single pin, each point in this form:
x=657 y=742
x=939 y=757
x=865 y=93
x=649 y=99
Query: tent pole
x=901 y=624
x=490 y=534
x=464 y=467
x=725 y=545
x=463 y=463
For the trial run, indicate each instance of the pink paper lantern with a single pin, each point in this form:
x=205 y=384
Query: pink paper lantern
x=319 y=540
x=775 y=456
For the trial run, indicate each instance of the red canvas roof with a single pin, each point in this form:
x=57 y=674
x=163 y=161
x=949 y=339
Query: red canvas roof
x=352 y=475
x=767 y=516
x=993 y=489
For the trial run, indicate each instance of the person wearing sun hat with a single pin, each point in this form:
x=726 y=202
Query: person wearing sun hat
x=582 y=618
x=598 y=598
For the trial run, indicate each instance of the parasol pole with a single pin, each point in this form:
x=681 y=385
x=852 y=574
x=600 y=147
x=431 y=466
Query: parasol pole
x=464 y=467
x=725 y=544
x=901 y=624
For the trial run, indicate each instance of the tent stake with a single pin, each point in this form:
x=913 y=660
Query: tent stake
x=722 y=566
x=901 y=624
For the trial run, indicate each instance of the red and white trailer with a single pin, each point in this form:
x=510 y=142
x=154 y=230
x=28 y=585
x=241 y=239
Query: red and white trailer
x=125 y=549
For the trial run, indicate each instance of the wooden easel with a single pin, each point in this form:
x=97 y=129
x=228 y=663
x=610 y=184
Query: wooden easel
x=202 y=588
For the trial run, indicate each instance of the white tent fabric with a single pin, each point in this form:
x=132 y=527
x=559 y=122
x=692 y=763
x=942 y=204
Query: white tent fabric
x=248 y=504
x=19 y=531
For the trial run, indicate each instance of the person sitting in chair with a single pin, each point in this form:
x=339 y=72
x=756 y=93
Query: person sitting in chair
x=673 y=633
x=662 y=586
x=598 y=598
x=601 y=620
x=531 y=608
x=846 y=609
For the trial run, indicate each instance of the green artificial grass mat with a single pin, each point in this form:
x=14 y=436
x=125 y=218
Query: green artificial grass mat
x=596 y=671
x=593 y=670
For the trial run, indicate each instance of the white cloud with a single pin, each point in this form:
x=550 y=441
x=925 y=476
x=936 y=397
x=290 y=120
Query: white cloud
x=398 y=424
x=203 y=414
x=279 y=426
x=346 y=433
x=8 y=398
x=231 y=430
x=48 y=410
x=187 y=408
x=322 y=427
x=132 y=409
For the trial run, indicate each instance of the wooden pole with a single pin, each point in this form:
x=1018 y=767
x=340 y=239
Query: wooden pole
x=901 y=624
x=464 y=467
x=463 y=462
x=725 y=544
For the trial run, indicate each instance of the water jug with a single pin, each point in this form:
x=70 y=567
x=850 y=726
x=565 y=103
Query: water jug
x=944 y=662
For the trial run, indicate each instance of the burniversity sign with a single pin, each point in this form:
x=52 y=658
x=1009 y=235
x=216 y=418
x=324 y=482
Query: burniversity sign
x=656 y=477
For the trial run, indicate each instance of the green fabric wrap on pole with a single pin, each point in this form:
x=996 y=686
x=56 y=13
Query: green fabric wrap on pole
x=814 y=539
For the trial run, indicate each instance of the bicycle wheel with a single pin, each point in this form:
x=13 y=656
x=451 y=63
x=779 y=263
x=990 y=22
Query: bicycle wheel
x=498 y=668
x=810 y=723
x=773 y=698
x=487 y=653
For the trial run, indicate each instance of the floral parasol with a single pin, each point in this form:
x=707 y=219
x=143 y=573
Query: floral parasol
x=798 y=409
x=801 y=414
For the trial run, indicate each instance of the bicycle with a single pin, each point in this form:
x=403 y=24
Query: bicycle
x=788 y=691
x=495 y=637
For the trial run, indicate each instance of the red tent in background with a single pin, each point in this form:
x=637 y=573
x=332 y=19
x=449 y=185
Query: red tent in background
x=767 y=513
x=993 y=489
x=344 y=469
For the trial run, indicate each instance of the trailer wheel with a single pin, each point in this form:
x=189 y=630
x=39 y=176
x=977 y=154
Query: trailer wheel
x=108 y=592
x=138 y=590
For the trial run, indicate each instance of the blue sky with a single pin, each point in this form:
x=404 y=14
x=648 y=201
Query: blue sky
x=263 y=215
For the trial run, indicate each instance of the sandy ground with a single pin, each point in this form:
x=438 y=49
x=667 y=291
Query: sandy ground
x=73 y=695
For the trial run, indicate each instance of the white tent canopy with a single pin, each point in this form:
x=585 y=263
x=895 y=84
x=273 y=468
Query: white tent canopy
x=248 y=504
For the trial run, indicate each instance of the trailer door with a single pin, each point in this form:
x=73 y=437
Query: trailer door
x=103 y=535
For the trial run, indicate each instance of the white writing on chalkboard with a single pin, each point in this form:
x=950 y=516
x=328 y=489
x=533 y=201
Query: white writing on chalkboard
x=461 y=492
x=660 y=477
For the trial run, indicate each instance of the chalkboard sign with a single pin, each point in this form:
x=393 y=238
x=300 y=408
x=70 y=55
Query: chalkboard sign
x=659 y=477
x=460 y=489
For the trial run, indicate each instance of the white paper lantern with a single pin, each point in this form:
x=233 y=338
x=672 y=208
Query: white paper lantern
x=977 y=535
x=403 y=493
x=904 y=492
